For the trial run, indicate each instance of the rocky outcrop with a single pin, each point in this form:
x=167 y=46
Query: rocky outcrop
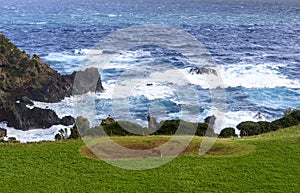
x=23 y=118
x=210 y=120
x=203 y=70
x=23 y=79
x=57 y=87
x=3 y=133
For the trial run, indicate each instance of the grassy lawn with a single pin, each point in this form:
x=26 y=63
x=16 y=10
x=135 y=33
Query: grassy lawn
x=265 y=163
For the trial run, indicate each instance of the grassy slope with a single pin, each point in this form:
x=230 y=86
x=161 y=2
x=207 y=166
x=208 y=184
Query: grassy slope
x=272 y=166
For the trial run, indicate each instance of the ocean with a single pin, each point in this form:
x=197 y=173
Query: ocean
x=254 y=46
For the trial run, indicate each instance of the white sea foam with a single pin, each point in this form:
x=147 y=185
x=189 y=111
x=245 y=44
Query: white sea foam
x=227 y=119
x=152 y=91
x=245 y=75
x=112 y=15
x=39 y=23
x=88 y=51
x=63 y=108
x=256 y=76
x=34 y=135
x=61 y=57
x=266 y=75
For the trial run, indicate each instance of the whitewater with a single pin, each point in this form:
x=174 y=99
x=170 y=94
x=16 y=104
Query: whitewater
x=254 y=47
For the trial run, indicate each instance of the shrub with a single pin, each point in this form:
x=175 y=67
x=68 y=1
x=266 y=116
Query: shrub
x=62 y=134
x=94 y=131
x=291 y=119
x=248 y=128
x=228 y=132
x=170 y=127
x=203 y=129
x=123 y=128
x=107 y=121
x=57 y=137
x=13 y=140
x=74 y=133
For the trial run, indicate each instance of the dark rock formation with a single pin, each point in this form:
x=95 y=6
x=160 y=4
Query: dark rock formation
x=57 y=87
x=67 y=120
x=25 y=100
x=210 y=120
x=86 y=81
x=23 y=79
x=3 y=133
x=203 y=70
x=23 y=118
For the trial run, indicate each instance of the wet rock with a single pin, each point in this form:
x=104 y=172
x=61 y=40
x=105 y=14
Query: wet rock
x=203 y=70
x=3 y=133
x=68 y=120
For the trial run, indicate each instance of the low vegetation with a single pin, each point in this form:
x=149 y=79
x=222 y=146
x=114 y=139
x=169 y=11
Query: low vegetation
x=263 y=163
x=250 y=128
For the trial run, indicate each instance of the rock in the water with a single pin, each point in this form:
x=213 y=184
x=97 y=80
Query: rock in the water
x=23 y=118
x=86 y=81
x=26 y=101
x=203 y=70
x=3 y=133
x=68 y=120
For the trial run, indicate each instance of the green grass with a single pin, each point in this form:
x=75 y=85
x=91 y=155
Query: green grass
x=265 y=163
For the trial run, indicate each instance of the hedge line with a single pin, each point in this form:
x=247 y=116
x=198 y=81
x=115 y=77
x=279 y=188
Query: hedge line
x=249 y=128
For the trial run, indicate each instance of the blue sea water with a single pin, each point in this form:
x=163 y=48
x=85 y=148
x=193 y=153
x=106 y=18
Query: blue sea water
x=255 y=46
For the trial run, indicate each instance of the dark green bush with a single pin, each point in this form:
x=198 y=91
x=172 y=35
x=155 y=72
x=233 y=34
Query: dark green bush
x=289 y=120
x=74 y=133
x=115 y=128
x=228 y=132
x=170 y=127
x=57 y=137
x=249 y=128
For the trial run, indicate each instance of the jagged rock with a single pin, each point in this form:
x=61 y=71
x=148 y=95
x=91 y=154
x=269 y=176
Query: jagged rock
x=3 y=133
x=31 y=77
x=210 y=120
x=22 y=118
x=67 y=120
x=203 y=70
x=25 y=100
x=86 y=81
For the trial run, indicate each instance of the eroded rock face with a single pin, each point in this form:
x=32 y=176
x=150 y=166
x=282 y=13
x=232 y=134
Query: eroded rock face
x=3 y=133
x=54 y=89
x=86 y=81
x=23 y=118
x=203 y=70
x=57 y=87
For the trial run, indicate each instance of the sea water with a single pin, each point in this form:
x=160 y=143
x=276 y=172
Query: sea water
x=255 y=47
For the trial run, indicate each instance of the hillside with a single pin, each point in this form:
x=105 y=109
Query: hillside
x=21 y=75
x=263 y=163
x=24 y=78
